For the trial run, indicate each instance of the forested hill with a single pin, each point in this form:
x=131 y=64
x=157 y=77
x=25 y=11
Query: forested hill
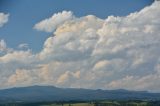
x=51 y=93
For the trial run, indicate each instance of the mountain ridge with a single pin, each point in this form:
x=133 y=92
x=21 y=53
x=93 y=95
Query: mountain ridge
x=51 y=93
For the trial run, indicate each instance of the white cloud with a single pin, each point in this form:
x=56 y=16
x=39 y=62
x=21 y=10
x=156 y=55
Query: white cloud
x=23 y=46
x=3 y=19
x=21 y=56
x=20 y=77
x=151 y=82
x=3 y=45
x=89 y=52
x=52 y=23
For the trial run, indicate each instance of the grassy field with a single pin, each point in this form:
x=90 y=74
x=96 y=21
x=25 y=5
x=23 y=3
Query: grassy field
x=108 y=103
x=76 y=104
x=89 y=103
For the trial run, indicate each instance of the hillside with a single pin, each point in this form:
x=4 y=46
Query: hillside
x=51 y=93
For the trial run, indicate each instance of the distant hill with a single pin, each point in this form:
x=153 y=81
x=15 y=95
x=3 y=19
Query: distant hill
x=51 y=93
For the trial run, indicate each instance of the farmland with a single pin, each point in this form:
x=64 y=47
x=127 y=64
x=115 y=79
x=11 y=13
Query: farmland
x=89 y=103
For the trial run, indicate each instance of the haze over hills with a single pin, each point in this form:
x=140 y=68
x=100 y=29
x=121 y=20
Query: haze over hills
x=51 y=93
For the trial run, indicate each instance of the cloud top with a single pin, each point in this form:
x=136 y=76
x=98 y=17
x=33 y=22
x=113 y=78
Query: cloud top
x=53 y=22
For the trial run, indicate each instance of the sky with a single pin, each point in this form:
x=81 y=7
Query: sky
x=105 y=44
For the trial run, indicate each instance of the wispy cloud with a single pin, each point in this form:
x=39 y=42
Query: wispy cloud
x=23 y=46
x=3 y=19
x=3 y=45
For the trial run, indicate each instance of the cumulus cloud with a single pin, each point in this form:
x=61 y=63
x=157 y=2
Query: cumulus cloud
x=89 y=52
x=17 y=77
x=52 y=23
x=3 y=19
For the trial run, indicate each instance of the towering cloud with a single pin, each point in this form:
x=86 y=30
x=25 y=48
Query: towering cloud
x=89 y=52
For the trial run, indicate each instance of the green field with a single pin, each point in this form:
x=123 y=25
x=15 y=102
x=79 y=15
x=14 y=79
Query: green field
x=76 y=104
x=108 y=103
x=90 y=103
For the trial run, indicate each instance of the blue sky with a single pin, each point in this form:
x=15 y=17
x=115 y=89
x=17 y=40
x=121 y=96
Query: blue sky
x=24 y=14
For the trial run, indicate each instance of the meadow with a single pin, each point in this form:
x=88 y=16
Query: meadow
x=90 y=103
